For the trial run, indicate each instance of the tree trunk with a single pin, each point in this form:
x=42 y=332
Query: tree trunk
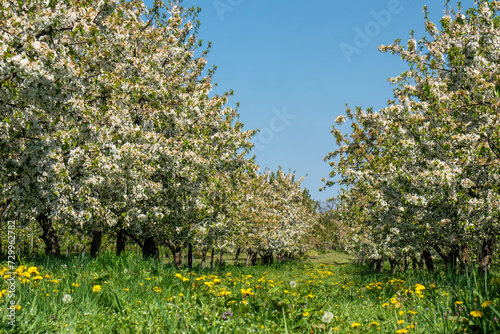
x=393 y=263
x=212 y=259
x=120 y=242
x=96 y=242
x=486 y=254
x=380 y=265
x=49 y=235
x=150 y=248
x=254 y=258
x=176 y=249
x=238 y=250
x=190 y=256
x=249 y=257
x=426 y=255
x=221 y=260
x=204 y=252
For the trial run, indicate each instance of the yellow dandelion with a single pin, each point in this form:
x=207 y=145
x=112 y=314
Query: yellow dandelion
x=305 y=314
x=458 y=302
x=401 y=322
x=156 y=289
x=374 y=323
x=96 y=288
x=33 y=270
x=356 y=324
x=126 y=289
x=487 y=303
x=402 y=331
x=477 y=314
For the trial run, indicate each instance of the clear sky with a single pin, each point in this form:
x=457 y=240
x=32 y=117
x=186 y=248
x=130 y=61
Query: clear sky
x=293 y=65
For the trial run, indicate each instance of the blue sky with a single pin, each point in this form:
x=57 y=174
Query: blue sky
x=293 y=65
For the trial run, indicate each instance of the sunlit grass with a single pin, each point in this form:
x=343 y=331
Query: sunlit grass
x=129 y=295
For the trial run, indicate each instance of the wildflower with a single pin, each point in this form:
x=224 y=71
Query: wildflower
x=126 y=289
x=66 y=299
x=293 y=284
x=156 y=289
x=412 y=312
x=18 y=307
x=458 y=302
x=96 y=288
x=419 y=287
x=33 y=270
x=402 y=331
x=487 y=303
x=356 y=324
x=374 y=323
x=180 y=294
x=477 y=314
x=247 y=291
x=37 y=278
x=76 y=285
x=401 y=322
x=327 y=317
x=305 y=314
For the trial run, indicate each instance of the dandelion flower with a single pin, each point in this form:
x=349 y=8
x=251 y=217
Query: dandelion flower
x=305 y=314
x=293 y=284
x=477 y=314
x=487 y=303
x=327 y=317
x=401 y=322
x=356 y=324
x=96 y=288
x=458 y=302
x=374 y=323
x=402 y=331
x=66 y=299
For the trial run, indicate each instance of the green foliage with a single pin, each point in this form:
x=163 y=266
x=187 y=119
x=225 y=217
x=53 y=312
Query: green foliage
x=144 y=296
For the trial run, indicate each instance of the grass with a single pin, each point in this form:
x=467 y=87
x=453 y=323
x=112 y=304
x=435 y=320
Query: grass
x=316 y=295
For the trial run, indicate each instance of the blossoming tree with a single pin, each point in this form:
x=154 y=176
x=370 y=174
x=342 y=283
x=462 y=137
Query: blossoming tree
x=430 y=160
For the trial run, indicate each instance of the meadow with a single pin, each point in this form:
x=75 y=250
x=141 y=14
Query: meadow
x=324 y=293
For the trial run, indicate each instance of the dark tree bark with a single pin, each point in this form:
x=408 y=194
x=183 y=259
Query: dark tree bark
x=212 y=259
x=238 y=251
x=95 y=246
x=150 y=248
x=254 y=258
x=49 y=235
x=204 y=252
x=393 y=263
x=176 y=249
x=486 y=254
x=120 y=241
x=426 y=255
x=190 y=255
x=380 y=265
